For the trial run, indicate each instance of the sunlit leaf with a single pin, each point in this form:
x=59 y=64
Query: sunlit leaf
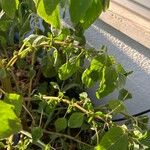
x=15 y=100
x=9 y=122
x=49 y=11
x=108 y=82
x=114 y=139
x=69 y=68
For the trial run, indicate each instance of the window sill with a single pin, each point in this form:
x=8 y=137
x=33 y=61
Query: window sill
x=125 y=20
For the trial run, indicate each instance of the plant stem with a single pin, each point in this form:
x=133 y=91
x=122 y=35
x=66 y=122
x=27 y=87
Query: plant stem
x=31 y=79
x=10 y=141
x=29 y=114
x=6 y=84
x=74 y=104
x=15 y=80
x=38 y=142
x=15 y=57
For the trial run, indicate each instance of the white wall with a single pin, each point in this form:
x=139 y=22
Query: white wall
x=132 y=55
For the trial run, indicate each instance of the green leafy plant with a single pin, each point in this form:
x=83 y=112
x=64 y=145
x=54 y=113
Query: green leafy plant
x=45 y=71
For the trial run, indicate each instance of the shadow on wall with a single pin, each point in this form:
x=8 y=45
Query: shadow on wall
x=132 y=55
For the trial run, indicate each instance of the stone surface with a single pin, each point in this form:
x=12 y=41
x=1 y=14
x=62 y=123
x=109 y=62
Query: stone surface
x=132 y=55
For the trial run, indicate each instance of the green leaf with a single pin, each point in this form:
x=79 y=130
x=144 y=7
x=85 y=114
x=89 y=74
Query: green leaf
x=9 y=123
x=101 y=69
x=17 y=3
x=49 y=11
x=85 y=12
x=58 y=59
x=92 y=13
x=9 y=6
x=143 y=122
x=32 y=73
x=35 y=40
x=76 y=120
x=63 y=35
x=114 y=139
x=146 y=141
x=47 y=66
x=15 y=100
x=69 y=68
x=121 y=81
x=83 y=96
x=3 y=73
x=116 y=106
x=4 y=25
x=3 y=41
x=108 y=82
x=94 y=72
x=78 y=9
x=124 y=94
x=105 y=4
x=60 y=124
x=37 y=133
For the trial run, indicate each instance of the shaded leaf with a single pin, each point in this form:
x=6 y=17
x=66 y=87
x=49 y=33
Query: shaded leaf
x=146 y=141
x=116 y=106
x=37 y=133
x=3 y=41
x=76 y=120
x=9 y=6
x=124 y=94
x=105 y=4
x=47 y=66
x=60 y=124
x=4 y=25
x=3 y=73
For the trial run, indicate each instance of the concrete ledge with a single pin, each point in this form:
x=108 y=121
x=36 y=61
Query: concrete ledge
x=130 y=23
